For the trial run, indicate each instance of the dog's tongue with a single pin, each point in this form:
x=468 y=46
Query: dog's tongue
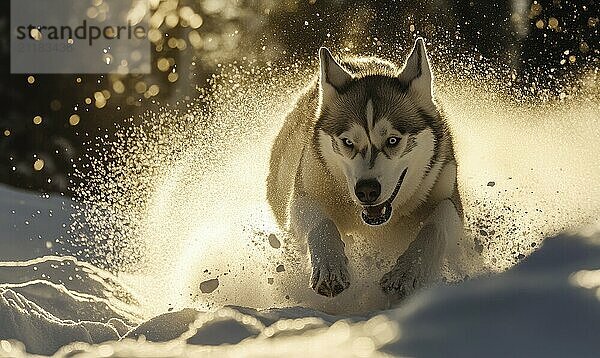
x=374 y=211
x=377 y=215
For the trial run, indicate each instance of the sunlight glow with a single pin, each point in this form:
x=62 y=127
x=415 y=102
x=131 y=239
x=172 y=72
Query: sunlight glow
x=194 y=196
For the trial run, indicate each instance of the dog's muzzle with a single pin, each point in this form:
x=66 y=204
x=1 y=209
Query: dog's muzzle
x=375 y=215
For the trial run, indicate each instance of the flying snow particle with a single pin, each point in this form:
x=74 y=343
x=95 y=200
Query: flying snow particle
x=209 y=286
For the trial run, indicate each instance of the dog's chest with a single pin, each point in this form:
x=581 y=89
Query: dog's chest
x=390 y=239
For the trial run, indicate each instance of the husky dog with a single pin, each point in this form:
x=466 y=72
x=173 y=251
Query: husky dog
x=367 y=151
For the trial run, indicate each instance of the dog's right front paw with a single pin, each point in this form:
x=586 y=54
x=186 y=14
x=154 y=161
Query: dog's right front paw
x=329 y=279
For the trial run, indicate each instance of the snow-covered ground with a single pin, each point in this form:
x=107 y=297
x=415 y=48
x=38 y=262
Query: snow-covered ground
x=548 y=305
x=31 y=224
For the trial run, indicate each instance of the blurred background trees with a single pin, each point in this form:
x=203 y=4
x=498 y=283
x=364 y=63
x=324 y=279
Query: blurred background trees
x=46 y=120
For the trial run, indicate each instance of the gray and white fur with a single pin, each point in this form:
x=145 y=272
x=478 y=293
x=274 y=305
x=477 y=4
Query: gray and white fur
x=367 y=151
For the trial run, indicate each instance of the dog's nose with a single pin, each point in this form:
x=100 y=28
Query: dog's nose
x=367 y=191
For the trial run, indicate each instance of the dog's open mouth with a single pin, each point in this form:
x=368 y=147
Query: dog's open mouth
x=379 y=214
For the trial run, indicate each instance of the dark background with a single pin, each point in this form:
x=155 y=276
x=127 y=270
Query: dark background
x=544 y=44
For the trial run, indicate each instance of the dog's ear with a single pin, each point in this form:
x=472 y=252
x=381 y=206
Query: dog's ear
x=333 y=76
x=416 y=71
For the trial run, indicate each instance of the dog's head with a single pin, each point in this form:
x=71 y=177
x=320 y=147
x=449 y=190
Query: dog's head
x=377 y=127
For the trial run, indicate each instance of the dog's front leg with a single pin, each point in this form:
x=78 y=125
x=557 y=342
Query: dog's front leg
x=420 y=264
x=329 y=263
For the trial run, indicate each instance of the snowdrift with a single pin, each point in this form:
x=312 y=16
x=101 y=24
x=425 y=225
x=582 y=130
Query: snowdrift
x=546 y=306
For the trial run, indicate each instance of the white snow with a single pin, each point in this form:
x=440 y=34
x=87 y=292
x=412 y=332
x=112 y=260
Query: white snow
x=549 y=305
x=31 y=224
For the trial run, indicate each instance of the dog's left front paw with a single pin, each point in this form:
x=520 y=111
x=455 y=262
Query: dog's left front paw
x=419 y=266
x=408 y=275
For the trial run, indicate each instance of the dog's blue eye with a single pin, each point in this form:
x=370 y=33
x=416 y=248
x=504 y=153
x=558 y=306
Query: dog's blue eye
x=348 y=143
x=393 y=141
